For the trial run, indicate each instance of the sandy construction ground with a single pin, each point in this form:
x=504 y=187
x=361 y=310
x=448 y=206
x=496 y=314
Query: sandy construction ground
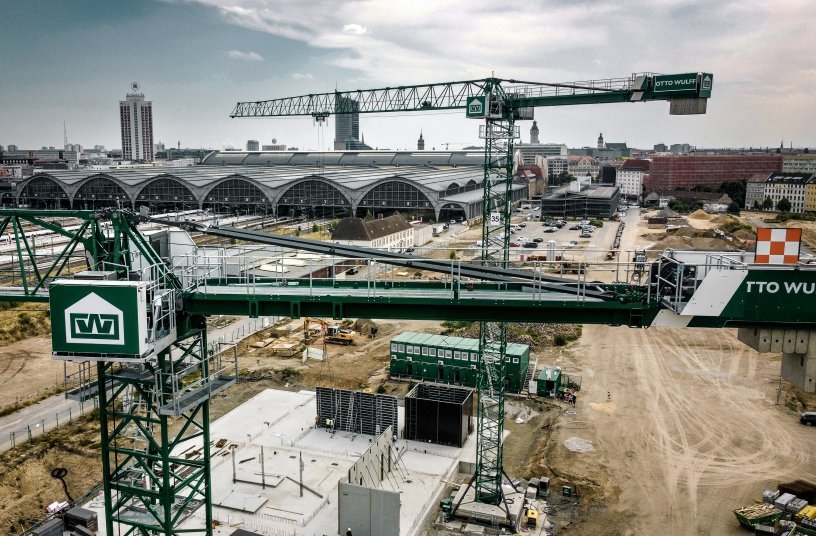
x=26 y=369
x=692 y=430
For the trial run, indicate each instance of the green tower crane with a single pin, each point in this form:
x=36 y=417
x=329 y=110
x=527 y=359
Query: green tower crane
x=499 y=103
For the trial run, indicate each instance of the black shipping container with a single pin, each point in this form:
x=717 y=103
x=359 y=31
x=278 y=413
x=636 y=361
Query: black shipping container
x=439 y=414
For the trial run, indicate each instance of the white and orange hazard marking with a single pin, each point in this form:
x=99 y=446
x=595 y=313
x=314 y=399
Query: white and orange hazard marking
x=777 y=246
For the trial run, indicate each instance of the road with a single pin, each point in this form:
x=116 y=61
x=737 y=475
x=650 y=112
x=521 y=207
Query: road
x=57 y=410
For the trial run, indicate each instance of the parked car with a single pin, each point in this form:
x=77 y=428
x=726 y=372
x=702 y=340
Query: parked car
x=515 y=245
x=550 y=229
x=522 y=224
x=538 y=240
x=531 y=245
x=523 y=239
x=808 y=418
x=575 y=228
x=585 y=234
x=352 y=271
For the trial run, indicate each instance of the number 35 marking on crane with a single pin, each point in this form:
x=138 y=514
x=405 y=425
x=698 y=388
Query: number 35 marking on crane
x=495 y=218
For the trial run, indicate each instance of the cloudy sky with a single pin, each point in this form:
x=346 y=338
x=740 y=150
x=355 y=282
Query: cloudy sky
x=73 y=61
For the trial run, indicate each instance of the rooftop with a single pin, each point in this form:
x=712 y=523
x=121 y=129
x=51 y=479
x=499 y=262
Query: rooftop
x=450 y=341
x=791 y=178
x=360 y=229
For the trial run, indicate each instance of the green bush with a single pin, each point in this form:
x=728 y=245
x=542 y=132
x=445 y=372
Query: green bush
x=456 y=325
x=381 y=388
x=596 y=222
x=290 y=374
x=560 y=340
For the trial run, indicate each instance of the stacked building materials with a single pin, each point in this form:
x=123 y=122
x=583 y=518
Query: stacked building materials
x=757 y=514
x=80 y=517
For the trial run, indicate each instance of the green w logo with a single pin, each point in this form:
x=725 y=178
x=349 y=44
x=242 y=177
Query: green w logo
x=94 y=326
x=94 y=320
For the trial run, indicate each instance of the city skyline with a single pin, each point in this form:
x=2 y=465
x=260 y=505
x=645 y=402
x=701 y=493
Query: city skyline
x=197 y=58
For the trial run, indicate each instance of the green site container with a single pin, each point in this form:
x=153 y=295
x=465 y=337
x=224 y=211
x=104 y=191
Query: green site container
x=566 y=491
x=549 y=381
x=453 y=360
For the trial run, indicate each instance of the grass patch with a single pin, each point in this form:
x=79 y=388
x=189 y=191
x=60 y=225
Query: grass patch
x=290 y=374
x=30 y=401
x=782 y=217
x=18 y=322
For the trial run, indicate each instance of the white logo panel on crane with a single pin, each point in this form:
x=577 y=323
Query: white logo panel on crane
x=93 y=320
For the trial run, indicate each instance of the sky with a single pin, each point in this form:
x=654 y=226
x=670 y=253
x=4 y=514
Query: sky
x=73 y=61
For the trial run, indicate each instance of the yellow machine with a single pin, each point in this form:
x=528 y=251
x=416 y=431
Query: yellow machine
x=531 y=515
x=332 y=333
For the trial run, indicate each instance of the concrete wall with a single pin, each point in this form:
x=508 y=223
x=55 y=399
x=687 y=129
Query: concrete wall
x=367 y=511
x=798 y=349
x=362 y=506
x=375 y=463
x=800 y=370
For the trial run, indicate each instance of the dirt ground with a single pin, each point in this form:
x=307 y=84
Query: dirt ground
x=29 y=359
x=359 y=366
x=685 y=428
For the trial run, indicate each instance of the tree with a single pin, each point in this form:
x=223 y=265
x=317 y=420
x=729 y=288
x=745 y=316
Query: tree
x=733 y=208
x=735 y=190
x=757 y=206
x=767 y=203
x=784 y=205
x=369 y=216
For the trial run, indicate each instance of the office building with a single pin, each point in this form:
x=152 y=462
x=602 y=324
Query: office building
x=581 y=200
x=674 y=172
x=629 y=177
x=136 y=117
x=530 y=151
x=799 y=163
x=346 y=123
x=553 y=165
x=274 y=146
x=253 y=145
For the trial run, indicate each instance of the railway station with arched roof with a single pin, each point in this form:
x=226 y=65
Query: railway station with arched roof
x=423 y=184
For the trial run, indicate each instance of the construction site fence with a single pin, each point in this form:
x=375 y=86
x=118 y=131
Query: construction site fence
x=39 y=427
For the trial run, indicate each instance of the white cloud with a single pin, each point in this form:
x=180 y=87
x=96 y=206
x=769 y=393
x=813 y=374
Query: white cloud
x=354 y=29
x=302 y=76
x=757 y=50
x=244 y=56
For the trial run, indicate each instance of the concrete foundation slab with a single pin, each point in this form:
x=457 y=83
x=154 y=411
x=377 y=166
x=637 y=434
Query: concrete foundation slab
x=488 y=513
x=235 y=500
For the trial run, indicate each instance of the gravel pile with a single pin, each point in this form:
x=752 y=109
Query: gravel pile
x=576 y=444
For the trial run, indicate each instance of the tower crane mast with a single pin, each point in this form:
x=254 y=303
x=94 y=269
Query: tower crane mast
x=499 y=103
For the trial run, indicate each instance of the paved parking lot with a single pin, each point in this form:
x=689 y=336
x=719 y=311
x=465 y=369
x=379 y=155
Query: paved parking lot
x=592 y=249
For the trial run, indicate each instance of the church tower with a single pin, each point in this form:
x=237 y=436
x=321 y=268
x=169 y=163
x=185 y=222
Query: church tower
x=600 y=141
x=534 y=134
x=420 y=142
